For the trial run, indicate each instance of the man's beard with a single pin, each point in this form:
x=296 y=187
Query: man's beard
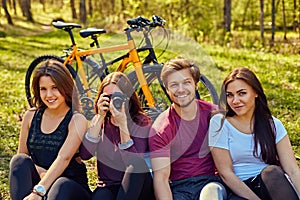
x=184 y=105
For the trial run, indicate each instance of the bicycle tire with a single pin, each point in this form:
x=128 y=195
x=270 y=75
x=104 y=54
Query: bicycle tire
x=94 y=74
x=87 y=105
x=152 y=74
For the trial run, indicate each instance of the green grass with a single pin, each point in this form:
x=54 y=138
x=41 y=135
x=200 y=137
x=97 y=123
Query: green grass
x=279 y=74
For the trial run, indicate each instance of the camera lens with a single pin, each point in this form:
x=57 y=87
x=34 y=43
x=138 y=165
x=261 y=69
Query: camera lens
x=117 y=102
x=118 y=99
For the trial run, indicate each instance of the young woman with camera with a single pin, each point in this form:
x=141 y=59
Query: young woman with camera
x=118 y=136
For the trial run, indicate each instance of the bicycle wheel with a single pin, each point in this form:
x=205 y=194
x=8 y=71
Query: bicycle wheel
x=94 y=75
x=206 y=90
x=86 y=103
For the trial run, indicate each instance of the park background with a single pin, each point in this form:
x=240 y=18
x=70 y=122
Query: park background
x=261 y=35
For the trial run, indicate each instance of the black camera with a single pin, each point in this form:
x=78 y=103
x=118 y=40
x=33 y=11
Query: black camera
x=118 y=99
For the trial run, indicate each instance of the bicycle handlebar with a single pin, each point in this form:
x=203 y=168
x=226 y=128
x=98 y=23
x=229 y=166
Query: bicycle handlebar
x=141 y=22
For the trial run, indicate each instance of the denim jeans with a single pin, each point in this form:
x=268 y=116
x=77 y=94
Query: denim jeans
x=190 y=188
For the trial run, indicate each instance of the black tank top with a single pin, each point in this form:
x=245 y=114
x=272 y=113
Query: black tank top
x=43 y=148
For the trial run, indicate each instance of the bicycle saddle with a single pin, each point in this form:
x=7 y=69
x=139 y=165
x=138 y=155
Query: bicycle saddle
x=63 y=25
x=91 y=31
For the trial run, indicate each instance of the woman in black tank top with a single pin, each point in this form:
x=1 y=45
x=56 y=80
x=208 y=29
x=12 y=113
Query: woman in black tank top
x=47 y=164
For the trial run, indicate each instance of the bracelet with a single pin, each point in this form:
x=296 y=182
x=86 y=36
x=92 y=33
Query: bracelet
x=35 y=192
x=126 y=145
x=92 y=139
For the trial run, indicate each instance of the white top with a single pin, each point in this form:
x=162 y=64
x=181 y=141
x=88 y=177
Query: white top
x=240 y=146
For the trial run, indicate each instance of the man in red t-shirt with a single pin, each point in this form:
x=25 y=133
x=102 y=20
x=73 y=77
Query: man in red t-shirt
x=182 y=164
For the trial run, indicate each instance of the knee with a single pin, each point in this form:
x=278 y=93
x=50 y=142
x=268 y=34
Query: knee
x=272 y=171
x=213 y=190
x=20 y=161
x=60 y=189
x=60 y=183
x=137 y=165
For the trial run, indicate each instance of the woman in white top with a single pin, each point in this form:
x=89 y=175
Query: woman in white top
x=250 y=147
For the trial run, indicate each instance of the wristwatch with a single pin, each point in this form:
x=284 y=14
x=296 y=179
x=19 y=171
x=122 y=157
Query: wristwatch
x=40 y=190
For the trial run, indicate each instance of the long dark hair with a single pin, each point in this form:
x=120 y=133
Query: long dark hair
x=121 y=80
x=62 y=79
x=264 y=127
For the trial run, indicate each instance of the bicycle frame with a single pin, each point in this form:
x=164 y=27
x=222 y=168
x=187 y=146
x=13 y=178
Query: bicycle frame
x=133 y=57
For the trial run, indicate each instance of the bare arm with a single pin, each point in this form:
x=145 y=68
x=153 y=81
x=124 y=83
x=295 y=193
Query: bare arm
x=223 y=163
x=161 y=169
x=288 y=161
x=22 y=147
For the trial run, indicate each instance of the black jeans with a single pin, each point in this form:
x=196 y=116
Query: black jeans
x=23 y=176
x=137 y=183
x=257 y=185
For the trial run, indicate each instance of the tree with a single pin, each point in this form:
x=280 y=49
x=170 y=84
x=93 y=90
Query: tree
x=8 y=17
x=26 y=9
x=90 y=3
x=227 y=15
x=284 y=20
x=245 y=12
x=273 y=23
x=14 y=6
x=262 y=22
x=82 y=11
x=299 y=18
x=74 y=14
x=43 y=2
x=294 y=15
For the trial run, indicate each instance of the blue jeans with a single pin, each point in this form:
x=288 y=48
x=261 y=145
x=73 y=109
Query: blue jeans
x=190 y=188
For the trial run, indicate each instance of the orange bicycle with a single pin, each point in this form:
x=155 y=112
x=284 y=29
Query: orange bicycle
x=88 y=71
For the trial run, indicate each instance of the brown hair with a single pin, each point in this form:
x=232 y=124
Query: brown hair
x=122 y=81
x=63 y=80
x=264 y=127
x=177 y=64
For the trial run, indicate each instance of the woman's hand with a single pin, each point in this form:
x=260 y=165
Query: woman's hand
x=120 y=119
x=119 y=116
x=33 y=196
x=103 y=104
x=101 y=184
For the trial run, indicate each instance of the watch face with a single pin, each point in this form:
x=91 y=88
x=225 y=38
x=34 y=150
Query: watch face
x=40 y=189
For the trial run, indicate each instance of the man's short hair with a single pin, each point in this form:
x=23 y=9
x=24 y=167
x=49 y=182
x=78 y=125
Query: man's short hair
x=177 y=64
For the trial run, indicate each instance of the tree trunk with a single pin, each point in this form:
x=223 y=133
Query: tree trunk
x=82 y=11
x=26 y=9
x=295 y=16
x=245 y=13
x=273 y=23
x=14 y=6
x=8 y=17
x=262 y=16
x=284 y=20
x=227 y=15
x=43 y=2
x=22 y=7
x=123 y=7
x=73 y=9
x=90 y=3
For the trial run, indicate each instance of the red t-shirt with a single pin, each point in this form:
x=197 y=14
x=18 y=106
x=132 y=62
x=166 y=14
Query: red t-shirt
x=185 y=142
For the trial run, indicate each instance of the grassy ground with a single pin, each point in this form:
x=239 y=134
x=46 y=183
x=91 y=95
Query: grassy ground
x=279 y=74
